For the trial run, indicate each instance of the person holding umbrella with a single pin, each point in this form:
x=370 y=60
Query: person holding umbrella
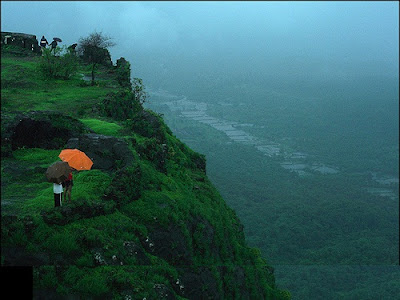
x=56 y=174
x=78 y=161
x=71 y=48
x=54 y=44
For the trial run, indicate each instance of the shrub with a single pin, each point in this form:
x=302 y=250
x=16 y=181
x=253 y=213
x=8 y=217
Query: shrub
x=124 y=72
x=93 y=283
x=102 y=127
x=139 y=90
x=125 y=186
x=149 y=124
x=154 y=152
x=120 y=105
x=58 y=65
x=63 y=243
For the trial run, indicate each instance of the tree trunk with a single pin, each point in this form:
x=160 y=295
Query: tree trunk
x=93 y=67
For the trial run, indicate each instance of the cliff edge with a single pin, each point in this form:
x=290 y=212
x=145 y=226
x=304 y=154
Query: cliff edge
x=144 y=223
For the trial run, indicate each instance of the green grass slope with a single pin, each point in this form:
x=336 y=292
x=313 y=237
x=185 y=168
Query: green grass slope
x=154 y=229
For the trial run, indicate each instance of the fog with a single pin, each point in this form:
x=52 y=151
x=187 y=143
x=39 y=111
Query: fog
x=181 y=41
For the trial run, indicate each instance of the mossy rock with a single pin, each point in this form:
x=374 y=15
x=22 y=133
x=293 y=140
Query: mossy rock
x=108 y=153
x=39 y=129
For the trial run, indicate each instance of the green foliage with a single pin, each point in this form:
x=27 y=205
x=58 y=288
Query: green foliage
x=17 y=51
x=14 y=233
x=58 y=65
x=88 y=186
x=42 y=157
x=17 y=74
x=61 y=243
x=92 y=283
x=126 y=185
x=120 y=105
x=25 y=89
x=123 y=72
x=179 y=154
x=87 y=281
x=149 y=124
x=153 y=151
x=138 y=89
x=43 y=277
x=102 y=127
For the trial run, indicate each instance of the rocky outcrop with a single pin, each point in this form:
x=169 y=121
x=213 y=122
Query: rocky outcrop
x=124 y=72
x=48 y=130
x=107 y=152
x=34 y=134
x=52 y=130
x=26 y=41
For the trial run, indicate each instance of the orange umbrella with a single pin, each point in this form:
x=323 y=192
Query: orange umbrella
x=76 y=159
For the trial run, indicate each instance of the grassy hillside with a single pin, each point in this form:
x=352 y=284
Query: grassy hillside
x=156 y=228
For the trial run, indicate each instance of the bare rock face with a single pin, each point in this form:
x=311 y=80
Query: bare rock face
x=36 y=133
x=107 y=152
x=52 y=130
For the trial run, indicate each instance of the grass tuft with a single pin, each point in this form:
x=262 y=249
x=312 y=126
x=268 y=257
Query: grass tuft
x=88 y=186
x=41 y=157
x=102 y=127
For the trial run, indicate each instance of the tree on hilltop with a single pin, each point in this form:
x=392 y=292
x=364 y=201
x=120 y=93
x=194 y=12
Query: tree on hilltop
x=94 y=49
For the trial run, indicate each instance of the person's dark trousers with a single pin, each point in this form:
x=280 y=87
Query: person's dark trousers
x=57 y=199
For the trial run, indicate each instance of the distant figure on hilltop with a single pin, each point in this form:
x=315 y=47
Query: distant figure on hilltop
x=43 y=42
x=72 y=48
x=53 y=45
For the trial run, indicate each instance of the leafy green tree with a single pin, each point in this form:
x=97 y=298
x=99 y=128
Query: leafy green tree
x=94 y=50
x=138 y=90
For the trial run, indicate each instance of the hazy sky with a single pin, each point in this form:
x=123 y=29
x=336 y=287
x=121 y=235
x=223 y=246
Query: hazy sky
x=180 y=37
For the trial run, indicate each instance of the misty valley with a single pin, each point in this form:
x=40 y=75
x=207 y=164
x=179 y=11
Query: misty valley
x=367 y=148
x=312 y=173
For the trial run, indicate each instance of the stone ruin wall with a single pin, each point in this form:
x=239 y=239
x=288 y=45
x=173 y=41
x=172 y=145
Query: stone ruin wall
x=27 y=41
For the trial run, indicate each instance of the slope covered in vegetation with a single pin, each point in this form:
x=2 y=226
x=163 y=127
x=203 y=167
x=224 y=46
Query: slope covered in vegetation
x=146 y=223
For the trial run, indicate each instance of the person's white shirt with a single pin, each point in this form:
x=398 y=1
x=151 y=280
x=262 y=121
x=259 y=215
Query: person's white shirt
x=57 y=188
